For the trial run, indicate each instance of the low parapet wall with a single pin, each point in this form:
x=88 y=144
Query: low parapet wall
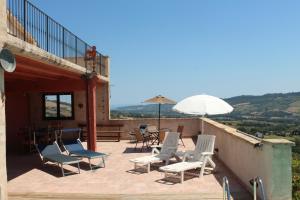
x=271 y=160
x=191 y=125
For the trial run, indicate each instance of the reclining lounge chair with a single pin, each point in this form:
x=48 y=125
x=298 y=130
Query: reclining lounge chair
x=198 y=158
x=168 y=150
x=76 y=148
x=52 y=153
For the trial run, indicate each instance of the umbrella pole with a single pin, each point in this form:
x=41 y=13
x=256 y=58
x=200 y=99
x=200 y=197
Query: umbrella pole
x=158 y=123
x=202 y=125
x=159 y=116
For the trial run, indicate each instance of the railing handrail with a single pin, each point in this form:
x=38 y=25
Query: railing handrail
x=257 y=182
x=226 y=190
x=28 y=22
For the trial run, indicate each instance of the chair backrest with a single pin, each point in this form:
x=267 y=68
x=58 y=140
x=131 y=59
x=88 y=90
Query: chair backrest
x=162 y=135
x=180 y=129
x=72 y=146
x=49 y=149
x=143 y=128
x=170 y=144
x=152 y=128
x=205 y=143
x=138 y=135
x=70 y=134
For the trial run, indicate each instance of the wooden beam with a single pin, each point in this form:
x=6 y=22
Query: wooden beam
x=43 y=71
x=44 y=85
x=32 y=75
x=45 y=68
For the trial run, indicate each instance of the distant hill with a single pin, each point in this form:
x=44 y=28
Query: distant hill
x=268 y=105
x=277 y=105
x=149 y=110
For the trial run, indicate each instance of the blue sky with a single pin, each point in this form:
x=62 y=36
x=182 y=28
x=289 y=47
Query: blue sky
x=180 y=48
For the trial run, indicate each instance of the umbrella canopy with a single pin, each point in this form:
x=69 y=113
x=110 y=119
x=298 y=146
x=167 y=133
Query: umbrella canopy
x=203 y=105
x=160 y=100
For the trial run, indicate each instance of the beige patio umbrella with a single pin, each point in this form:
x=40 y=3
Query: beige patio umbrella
x=160 y=100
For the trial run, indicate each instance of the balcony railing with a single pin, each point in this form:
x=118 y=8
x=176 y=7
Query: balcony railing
x=32 y=25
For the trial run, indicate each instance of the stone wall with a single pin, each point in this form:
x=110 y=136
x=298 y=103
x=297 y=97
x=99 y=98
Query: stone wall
x=3 y=175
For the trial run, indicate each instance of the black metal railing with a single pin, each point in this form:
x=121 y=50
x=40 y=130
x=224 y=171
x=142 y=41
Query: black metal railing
x=29 y=23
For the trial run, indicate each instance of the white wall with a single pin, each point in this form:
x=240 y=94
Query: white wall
x=271 y=162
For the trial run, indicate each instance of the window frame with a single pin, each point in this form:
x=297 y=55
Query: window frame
x=58 y=94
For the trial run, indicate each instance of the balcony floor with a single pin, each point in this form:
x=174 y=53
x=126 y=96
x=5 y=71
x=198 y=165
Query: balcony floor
x=29 y=179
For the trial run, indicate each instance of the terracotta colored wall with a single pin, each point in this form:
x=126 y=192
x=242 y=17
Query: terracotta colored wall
x=17 y=117
x=80 y=112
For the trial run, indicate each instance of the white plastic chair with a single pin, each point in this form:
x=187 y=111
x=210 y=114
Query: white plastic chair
x=198 y=158
x=168 y=150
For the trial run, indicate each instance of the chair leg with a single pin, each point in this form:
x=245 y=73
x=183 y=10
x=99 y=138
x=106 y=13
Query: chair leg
x=135 y=165
x=211 y=162
x=62 y=170
x=103 y=162
x=182 y=141
x=148 y=167
x=167 y=162
x=142 y=146
x=181 y=177
x=90 y=164
x=136 y=144
x=203 y=167
x=78 y=168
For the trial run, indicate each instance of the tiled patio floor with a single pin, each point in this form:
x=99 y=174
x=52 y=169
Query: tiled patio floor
x=26 y=175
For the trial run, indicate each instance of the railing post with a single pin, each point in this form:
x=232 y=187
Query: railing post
x=254 y=189
x=47 y=33
x=25 y=17
x=85 y=61
x=63 y=42
x=100 y=63
x=76 y=49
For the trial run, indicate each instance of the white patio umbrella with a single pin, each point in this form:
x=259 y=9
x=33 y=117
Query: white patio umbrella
x=203 y=105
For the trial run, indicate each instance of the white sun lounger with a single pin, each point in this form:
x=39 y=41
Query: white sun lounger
x=168 y=150
x=199 y=158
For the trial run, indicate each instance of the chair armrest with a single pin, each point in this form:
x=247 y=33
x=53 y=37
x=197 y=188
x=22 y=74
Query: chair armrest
x=191 y=152
x=172 y=148
x=156 y=146
x=207 y=153
x=187 y=155
x=155 y=151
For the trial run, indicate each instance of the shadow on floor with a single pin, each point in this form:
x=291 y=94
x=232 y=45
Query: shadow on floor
x=137 y=150
x=18 y=165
